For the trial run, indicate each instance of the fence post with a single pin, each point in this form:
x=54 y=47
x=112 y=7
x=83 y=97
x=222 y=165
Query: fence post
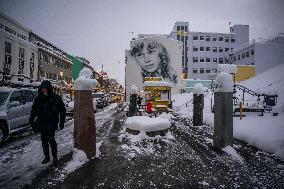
x=198 y=104
x=84 y=118
x=133 y=101
x=223 y=111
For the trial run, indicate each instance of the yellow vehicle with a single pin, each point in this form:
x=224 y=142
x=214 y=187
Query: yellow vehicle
x=158 y=92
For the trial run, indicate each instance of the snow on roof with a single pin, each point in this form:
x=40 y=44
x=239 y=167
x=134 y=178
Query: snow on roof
x=229 y=68
x=157 y=83
x=133 y=89
x=147 y=124
x=84 y=81
x=198 y=89
x=224 y=82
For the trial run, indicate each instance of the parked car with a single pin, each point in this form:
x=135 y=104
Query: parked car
x=15 y=109
x=100 y=99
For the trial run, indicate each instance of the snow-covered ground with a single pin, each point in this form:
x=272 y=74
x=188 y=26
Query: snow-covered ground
x=20 y=161
x=265 y=133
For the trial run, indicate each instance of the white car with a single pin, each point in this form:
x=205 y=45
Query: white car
x=15 y=109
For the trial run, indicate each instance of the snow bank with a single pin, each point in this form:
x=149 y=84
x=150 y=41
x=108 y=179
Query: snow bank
x=224 y=82
x=143 y=136
x=266 y=133
x=229 y=68
x=79 y=157
x=157 y=83
x=98 y=152
x=233 y=153
x=84 y=81
x=147 y=124
x=198 y=89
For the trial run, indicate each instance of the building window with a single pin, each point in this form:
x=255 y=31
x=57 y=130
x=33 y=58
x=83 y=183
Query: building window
x=247 y=54
x=207 y=70
x=214 y=38
x=215 y=60
x=252 y=52
x=182 y=38
x=186 y=38
x=243 y=55
x=214 y=49
x=182 y=28
x=194 y=70
x=207 y=38
x=195 y=59
x=8 y=58
x=178 y=28
x=207 y=59
x=201 y=48
x=201 y=38
x=220 y=49
x=227 y=39
x=201 y=59
x=207 y=48
x=235 y=58
x=195 y=37
x=227 y=49
x=201 y=70
x=21 y=60
x=195 y=48
x=220 y=38
x=185 y=28
x=220 y=60
x=239 y=57
x=233 y=40
x=32 y=65
x=178 y=37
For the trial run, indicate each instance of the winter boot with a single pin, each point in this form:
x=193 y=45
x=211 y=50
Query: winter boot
x=46 y=160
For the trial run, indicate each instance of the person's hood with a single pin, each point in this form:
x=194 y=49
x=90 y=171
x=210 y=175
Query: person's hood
x=46 y=84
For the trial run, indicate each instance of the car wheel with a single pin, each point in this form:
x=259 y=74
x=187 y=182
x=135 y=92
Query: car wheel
x=3 y=134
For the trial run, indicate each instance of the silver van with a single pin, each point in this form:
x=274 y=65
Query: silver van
x=15 y=109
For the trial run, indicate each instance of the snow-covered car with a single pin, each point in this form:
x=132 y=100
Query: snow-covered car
x=15 y=109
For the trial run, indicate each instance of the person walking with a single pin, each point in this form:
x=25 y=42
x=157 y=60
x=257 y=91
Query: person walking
x=48 y=109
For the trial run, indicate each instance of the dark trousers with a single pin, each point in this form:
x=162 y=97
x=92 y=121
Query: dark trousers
x=47 y=139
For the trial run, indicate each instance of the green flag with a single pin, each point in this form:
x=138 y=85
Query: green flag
x=76 y=67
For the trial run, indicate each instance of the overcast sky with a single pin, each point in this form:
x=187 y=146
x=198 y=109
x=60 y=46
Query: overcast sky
x=100 y=30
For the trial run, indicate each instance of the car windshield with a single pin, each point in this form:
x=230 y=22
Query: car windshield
x=3 y=97
x=98 y=95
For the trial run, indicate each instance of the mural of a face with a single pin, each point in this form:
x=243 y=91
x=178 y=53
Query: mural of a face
x=148 y=57
x=153 y=59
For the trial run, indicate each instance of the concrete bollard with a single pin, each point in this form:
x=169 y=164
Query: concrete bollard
x=133 y=101
x=84 y=118
x=198 y=104
x=223 y=111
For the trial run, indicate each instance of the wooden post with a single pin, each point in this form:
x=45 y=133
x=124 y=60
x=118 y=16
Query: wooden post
x=241 y=110
x=198 y=104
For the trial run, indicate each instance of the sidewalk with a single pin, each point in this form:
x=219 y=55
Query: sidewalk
x=187 y=161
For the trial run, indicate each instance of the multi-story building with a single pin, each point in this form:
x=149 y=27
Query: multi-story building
x=203 y=51
x=19 y=57
x=263 y=54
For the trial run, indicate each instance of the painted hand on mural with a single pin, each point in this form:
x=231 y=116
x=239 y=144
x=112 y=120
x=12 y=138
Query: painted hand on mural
x=153 y=59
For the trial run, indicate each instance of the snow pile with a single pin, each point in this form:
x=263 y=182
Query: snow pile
x=233 y=153
x=157 y=83
x=229 y=68
x=98 y=152
x=84 y=81
x=143 y=136
x=180 y=103
x=266 y=133
x=198 y=89
x=223 y=82
x=133 y=89
x=147 y=124
x=79 y=157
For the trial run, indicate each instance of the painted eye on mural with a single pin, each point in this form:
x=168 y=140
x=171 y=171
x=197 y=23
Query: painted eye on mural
x=139 y=54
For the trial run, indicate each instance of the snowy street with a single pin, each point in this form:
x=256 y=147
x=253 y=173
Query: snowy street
x=183 y=158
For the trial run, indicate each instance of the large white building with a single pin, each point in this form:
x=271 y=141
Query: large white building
x=264 y=54
x=203 y=51
x=18 y=55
